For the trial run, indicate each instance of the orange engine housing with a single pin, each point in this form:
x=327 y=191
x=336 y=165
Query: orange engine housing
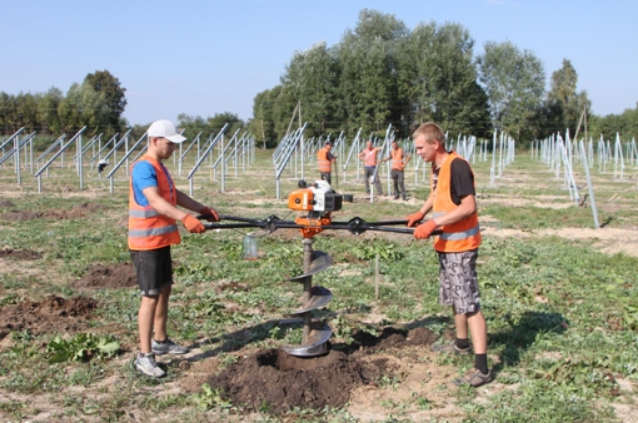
x=301 y=199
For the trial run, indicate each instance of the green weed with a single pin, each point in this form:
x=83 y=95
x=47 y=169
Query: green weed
x=83 y=346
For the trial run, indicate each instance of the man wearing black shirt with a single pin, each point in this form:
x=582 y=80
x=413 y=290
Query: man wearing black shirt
x=452 y=201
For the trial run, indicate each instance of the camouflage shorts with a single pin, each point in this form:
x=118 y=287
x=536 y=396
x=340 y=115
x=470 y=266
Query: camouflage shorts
x=459 y=282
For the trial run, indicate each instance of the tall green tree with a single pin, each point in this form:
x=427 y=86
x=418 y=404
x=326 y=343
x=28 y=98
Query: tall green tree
x=368 y=63
x=312 y=76
x=104 y=82
x=437 y=79
x=48 y=110
x=515 y=83
x=83 y=106
x=564 y=103
x=263 y=124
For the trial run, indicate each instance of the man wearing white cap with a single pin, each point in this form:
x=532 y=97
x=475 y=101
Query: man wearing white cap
x=153 y=216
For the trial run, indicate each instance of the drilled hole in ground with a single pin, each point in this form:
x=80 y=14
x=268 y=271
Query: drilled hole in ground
x=285 y=362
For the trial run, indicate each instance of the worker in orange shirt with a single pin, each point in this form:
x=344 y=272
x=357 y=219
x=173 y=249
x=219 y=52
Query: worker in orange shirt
x=399 y=161
x=369 y=157
x=325 y=159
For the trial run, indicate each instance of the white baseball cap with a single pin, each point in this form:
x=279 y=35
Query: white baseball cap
x=165 y=129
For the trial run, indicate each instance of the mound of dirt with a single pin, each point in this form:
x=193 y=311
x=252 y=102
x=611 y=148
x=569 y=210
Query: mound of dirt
x=76 y=212
x=7 y=204
x=278 y=382
x=112 y=276
x=54 y=314
x=20 y=254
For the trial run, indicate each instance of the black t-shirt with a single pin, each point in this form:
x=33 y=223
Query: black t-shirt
x=462 y=180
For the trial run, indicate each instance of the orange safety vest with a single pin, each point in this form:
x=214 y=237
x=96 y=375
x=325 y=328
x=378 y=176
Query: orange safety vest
x=147 y=229
x=456 y=237
x=322 y=160
x=397 y=159
x=370 y=157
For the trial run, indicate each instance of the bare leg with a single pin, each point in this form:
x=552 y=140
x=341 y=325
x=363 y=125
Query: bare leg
x=460 y=321
x=145 y=318
x=478 y=327
x=161 y=314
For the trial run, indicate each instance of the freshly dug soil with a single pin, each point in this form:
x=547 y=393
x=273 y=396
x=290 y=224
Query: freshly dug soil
x=53 y=315
x=276 y=381
x=20 y=254
x=77 y=211
x=112 y=276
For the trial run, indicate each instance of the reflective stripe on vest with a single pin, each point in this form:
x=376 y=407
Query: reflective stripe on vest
x=397 y=159
x=143 y=214
x=149 y=230
x=370 y=157
x=322 y=160
x=460 y=236
x=457 y=236
x=140 y=233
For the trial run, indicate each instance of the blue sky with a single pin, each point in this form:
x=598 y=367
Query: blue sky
x=207 y=57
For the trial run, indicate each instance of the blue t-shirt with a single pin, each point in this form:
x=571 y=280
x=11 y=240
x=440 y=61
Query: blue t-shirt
x=144 y=176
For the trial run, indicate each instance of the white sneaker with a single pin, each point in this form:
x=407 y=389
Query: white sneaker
x=146 y=364
x=168 y=347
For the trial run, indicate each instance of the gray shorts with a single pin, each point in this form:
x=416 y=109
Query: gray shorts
x=154 y=270
x=459 y=282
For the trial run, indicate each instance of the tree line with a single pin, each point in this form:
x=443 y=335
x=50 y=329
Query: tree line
x=382 y=73
x=98 y=103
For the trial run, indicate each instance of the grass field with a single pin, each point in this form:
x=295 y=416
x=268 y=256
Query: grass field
x=560 y=299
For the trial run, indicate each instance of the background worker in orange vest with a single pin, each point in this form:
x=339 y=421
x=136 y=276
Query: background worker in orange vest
x=452 y=201
x=369 y=157
x=399 y=162
x=324 y=162
x=153 y=215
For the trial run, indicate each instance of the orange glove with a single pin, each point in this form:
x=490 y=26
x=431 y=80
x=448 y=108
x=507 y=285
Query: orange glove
x=413 y=219
x=425 y=230
x=193 y=224
x=210 y=214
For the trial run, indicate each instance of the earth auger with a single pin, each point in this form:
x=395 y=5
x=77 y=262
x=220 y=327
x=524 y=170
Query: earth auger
x=319 y=201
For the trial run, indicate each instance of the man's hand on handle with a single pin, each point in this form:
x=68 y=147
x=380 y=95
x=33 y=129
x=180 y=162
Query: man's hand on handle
x=415 y=218
x=192 y=224
x=424 y=230
x=209 y=214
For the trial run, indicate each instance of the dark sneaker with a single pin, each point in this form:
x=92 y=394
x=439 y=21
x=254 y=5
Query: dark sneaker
x=167 y=347
x=452 y=348
x=146 y=364
x=475 y=378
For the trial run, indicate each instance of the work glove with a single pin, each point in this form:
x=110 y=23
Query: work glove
x=209 y=214
x=413 y=219
x=424 y=230
x=192 y=224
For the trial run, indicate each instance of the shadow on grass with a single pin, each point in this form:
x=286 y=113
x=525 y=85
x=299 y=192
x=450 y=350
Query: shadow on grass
x=522 y=333
x=606 y=222
x=235 y=341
